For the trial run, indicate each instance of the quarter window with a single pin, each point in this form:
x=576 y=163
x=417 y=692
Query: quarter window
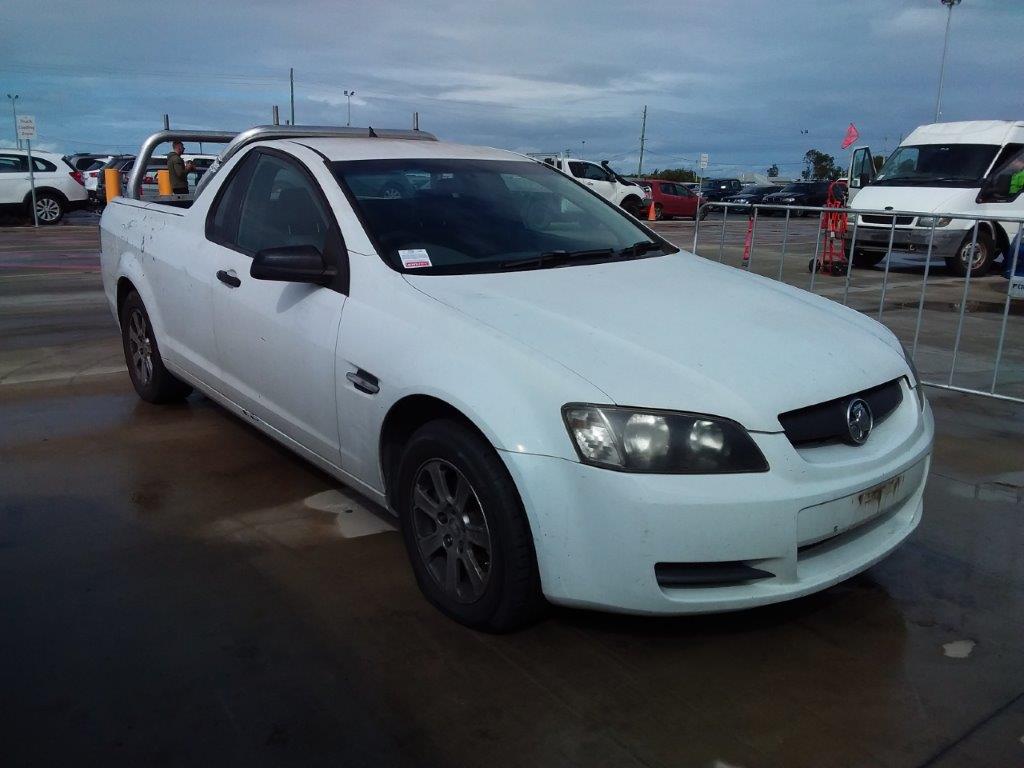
x=43 y=165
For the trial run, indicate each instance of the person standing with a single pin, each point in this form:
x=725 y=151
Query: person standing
x=178 y=169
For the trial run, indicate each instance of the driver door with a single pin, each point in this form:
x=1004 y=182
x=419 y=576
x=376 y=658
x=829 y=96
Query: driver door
x=862 y=171
x=594 y=176
x=276 y=340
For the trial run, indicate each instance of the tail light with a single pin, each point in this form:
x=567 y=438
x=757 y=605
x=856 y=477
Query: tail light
x=77 y=176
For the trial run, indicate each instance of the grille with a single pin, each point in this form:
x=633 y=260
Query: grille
x=874 y=218
x=826 y=422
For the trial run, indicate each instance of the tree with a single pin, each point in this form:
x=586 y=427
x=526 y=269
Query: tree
x=819 y=165
x=673 y=174
x=773 y=171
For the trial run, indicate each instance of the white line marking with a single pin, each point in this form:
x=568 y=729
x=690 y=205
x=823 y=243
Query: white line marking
x=354 y=519
x=958 y=649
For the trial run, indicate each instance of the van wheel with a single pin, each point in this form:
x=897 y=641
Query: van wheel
x=980 y=261
x=152 y=381
x=465 y=531
x=49 y=208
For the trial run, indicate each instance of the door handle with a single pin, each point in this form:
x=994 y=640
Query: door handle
x=228 y=278
x=364 y=381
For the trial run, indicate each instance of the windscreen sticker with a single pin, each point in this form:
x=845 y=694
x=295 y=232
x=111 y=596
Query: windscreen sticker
x=415 y=258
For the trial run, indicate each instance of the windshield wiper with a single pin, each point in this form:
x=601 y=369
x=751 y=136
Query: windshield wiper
x=554 y=258
x=638 y=249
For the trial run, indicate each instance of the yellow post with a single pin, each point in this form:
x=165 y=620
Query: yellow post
x=112 y=181
x=163 y=183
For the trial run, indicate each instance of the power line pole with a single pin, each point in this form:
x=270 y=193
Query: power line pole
x=643 y=136
x=291 y=85
x=14 y=116
x=945 y=45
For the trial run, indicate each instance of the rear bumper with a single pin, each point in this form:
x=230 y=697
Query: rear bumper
x=808 y=523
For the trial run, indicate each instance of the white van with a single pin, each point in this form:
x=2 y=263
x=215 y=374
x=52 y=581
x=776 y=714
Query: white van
x=974 y=168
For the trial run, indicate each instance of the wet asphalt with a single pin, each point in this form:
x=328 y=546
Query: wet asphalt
x=176 y=589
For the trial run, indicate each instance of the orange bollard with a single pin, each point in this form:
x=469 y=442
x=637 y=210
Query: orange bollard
x=650 y=213
x=112 y=182
x=163 y=183
x=747 y=241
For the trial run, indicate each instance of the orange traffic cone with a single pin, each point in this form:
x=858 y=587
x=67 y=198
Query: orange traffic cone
x=650 y=213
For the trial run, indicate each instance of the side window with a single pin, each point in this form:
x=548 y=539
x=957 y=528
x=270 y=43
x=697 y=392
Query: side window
x=281 y=207
x=579 y=170
x=667 y=189
x=597 y=173
x=1006 y=181
x=13 y=164
x=43 y=165
x=222 y=223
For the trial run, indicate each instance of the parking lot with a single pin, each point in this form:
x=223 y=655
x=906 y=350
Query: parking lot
x=209 y=595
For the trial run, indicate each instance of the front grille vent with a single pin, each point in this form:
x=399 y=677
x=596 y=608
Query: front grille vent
x=874 y=218
x=826 y=422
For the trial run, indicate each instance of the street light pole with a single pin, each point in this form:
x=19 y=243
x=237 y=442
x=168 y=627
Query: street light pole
x=349 y=95
x=942 y=66
x=14 y=116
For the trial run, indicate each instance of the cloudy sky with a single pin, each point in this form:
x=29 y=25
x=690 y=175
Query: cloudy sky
x=739 y=79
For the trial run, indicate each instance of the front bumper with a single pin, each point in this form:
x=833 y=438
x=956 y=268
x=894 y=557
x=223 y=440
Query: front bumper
x=809 y=522
x=875 y=238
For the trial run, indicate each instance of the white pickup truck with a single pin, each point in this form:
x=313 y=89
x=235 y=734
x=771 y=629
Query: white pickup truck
x=626 y=194
x=546 y=393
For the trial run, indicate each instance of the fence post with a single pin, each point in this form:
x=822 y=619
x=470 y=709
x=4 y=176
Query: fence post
x=814 y=261
x=963 y=300
x=785 y=240
x=924 y=287
x=849 y=261
x=888 y=257
x=1015 y=244
x=721 y=239
x=753 y=234
x=696 y=229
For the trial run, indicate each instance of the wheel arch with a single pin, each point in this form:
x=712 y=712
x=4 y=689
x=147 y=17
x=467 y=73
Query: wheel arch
x=405 y=416
x=124 y=287
x=47 y=190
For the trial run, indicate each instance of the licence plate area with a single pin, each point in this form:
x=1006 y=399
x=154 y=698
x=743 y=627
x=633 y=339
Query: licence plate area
x=823 y=521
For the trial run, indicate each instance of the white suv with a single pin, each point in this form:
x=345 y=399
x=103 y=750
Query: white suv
x=59 y=187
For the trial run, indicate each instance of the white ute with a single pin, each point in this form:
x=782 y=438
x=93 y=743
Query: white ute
x=628 y=195
x=553 y=400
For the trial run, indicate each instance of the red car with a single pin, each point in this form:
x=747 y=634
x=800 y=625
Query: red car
x=671 y=199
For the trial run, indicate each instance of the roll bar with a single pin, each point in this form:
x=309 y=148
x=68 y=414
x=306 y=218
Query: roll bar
x=236 y=141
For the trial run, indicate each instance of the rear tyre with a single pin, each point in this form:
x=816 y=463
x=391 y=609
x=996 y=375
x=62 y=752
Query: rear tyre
x=152 y=381
x=49 y=208
x=980 y=261
x=465 y=531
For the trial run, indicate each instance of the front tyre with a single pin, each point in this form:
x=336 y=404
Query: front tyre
x=152 y=381
x=465 y=531
x=980 y=260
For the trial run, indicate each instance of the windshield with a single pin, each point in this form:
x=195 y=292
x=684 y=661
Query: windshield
x=445 y=216
x=937 y=165
x=793 y=188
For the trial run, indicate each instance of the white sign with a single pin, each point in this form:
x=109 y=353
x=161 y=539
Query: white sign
x=1016 y=287
x=26 y=127
x=703 y=160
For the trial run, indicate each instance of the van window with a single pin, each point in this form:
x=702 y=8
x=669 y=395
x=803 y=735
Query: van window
x=1006 y=181
x=937 y=165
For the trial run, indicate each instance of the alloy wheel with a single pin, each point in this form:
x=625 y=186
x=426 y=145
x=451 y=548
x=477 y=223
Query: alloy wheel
x=451 y=533
x=140 y=347
x=979 y=256
x=47 y=209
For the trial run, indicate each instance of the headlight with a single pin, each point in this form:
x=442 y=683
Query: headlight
x=918 y=386
x=789 y=199
x=932 y=221
x=660 y=442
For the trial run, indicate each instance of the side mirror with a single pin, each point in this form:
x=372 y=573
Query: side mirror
x=292 y=264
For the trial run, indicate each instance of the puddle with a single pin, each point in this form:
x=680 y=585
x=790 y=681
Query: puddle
x=958 y=649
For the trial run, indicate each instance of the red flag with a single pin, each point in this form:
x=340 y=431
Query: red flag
x=851 y=136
